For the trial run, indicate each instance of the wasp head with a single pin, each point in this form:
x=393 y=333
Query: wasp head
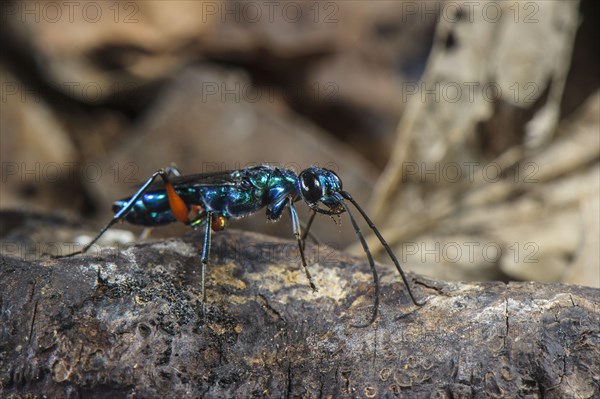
x=321 y=186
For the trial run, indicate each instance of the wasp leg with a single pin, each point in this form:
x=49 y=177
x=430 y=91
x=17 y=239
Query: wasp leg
x=307 y=233
x=205 y=253
x=172 y=169
x=145 y=234
x=298 y=235
x=122 y=212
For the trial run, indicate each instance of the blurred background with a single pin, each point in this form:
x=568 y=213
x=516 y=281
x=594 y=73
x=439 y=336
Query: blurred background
x=469 y=131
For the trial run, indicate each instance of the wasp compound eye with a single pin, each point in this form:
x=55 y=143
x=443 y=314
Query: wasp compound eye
x=311 y=187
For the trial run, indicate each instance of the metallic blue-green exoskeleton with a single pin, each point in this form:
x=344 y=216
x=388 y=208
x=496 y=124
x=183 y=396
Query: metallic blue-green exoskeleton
x=211 y=199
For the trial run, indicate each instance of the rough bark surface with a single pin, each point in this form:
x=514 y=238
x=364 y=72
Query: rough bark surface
x=129 y=324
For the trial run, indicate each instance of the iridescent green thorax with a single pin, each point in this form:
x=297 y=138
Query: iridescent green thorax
x=280 y=188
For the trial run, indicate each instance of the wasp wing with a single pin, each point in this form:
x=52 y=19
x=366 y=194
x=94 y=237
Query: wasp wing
x=211 y=179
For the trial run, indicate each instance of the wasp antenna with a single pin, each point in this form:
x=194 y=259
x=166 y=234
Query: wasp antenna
x=371 y=264
x=385 y=245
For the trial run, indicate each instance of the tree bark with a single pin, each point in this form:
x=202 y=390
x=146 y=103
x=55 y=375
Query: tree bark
x=129 y=324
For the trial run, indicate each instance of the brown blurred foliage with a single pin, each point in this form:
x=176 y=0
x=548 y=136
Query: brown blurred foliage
x=472 y=130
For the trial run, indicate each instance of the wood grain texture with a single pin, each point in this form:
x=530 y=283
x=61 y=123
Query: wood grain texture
x=128 y=324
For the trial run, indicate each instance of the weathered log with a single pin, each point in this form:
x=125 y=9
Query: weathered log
x=129 y=324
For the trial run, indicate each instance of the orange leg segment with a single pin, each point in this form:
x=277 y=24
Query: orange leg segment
x=218 y=223
x=178 y=206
